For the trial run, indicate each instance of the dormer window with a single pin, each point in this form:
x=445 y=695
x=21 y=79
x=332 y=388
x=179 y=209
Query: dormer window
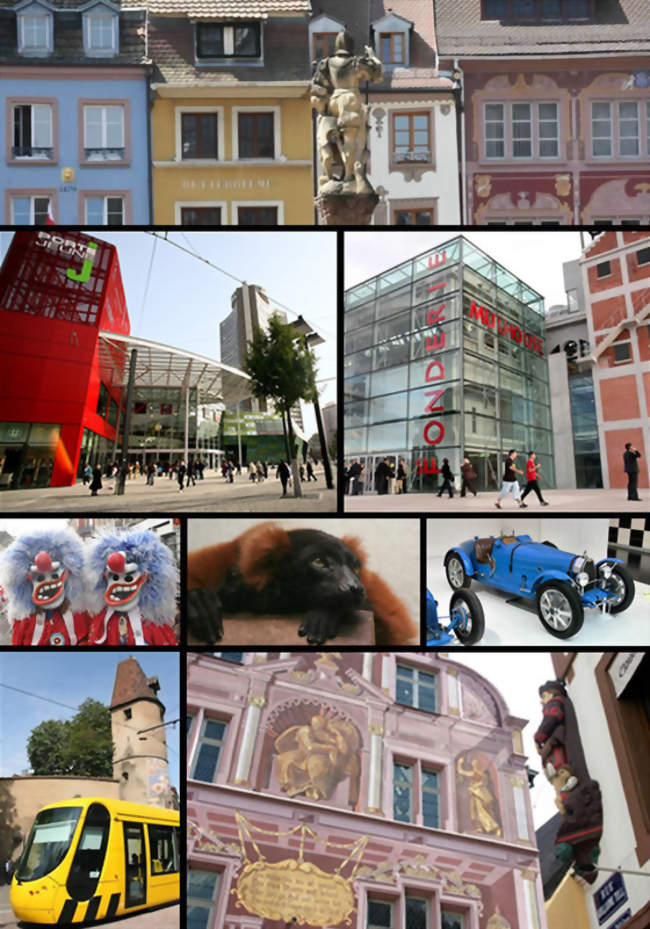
x=101 y=33
x=35 y=32
x=228 y=40
x=391 y=39
x=323 y=31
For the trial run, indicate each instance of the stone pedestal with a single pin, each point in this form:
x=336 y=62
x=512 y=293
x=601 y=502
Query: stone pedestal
x=346 y=209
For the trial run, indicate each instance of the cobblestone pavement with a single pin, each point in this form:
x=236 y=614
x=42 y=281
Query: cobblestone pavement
x=212 y=495
x=560 y=501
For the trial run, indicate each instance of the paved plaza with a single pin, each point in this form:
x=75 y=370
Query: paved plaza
x=612 y=502
x=211 y=495
x=167 y=917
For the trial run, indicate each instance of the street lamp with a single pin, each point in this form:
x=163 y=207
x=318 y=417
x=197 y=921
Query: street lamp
x=301 y=327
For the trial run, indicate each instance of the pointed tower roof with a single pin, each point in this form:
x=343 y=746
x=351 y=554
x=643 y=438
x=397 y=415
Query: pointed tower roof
x=132 y=684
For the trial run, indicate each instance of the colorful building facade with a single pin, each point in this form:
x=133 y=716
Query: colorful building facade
x=616 y=282
x=557 y=109
x=74 y=115
x=231 y=117
x=367 y=790
x=445 y=357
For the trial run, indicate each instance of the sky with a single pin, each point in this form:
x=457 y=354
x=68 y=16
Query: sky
x=70 y=677
x=517 y=676
x=186 y=299
x=535 y=257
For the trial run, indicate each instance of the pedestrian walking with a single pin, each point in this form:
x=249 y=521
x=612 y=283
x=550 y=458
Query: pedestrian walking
x=231 y=472
x=532 y=471
x=383 y=474
x=510 y=484
x=180 y=473
x=310 y=471
x=402 y=476
x=302 y=472
x=448 y=479
x=252 y=471
x=283 y=473
x=468 y=476
x=265 y=469
x=260 y=471
x=201 y=466
x=190 y=474
x=96 y=483
x=631 y=468
x=151 y=471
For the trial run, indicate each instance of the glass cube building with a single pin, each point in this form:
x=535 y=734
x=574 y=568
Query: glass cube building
x=445 y=358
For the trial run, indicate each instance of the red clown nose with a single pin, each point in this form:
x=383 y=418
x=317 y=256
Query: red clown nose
x=116 y=562
x=43 y=562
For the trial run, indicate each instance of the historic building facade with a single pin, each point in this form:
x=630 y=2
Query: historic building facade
x=413 y=125
x=74 y=114
x=557 y=109
x=616 y=282
x=370 y=790
x=231 y=117
x=445 y=358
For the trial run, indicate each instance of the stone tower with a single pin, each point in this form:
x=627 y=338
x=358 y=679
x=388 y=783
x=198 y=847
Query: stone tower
x=140 y=758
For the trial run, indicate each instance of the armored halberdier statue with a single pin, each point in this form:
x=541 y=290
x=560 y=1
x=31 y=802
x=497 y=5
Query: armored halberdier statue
x=342 y=133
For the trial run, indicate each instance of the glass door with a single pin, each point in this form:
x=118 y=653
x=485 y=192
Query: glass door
x=135 y=892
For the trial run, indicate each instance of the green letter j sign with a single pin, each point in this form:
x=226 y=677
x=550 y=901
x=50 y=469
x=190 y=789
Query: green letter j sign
x=83 y=275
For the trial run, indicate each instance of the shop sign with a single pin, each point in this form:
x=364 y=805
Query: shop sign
x=14 y=432
x=434 y=430
x=237 y=183
x=609 y=897
x=623 y=668
x=70 y=248
x=492 y=320
x=622 y=919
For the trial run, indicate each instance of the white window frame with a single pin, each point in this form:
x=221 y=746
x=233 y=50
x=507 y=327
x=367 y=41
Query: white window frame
x=104 y=125
x=88 y=19
x=200 y=739
x=615 y=138
x=179 y=205
x=178 y=134
x=235 y=204
x=507 y=123
x=210 y=904
x=115 y=196
x=32 y=104
x=416 y=686
x=277 y=133
x=418 y=766
x=229 y=45
x=33 y=12
x=323 y=24
x=32 y=198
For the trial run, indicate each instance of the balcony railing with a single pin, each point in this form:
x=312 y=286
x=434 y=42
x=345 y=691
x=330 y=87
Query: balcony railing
x=32 y=151
x=104 y=154
x=419 y=154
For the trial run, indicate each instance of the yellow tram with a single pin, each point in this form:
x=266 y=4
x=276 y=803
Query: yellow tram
x=91 y=858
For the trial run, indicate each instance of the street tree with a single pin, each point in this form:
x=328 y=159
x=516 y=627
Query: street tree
x=282 y=369
x=80 y=747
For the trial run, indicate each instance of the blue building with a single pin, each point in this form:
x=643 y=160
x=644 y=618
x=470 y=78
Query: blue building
x=74 y=113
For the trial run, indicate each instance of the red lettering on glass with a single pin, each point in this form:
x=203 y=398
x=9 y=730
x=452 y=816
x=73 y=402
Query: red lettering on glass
x=439 y=437
x=516 y=334
x=433 y=316
x=439 y=366
x=439 y=259
x=436 y=286
x=426 y=466
x=433 y=343
x=491 y=319
x=431 y=405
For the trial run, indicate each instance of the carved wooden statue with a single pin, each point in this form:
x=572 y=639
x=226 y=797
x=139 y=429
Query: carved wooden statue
x=342 y=133
x=578 y=797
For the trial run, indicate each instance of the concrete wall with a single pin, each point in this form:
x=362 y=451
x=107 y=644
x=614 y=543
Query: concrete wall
x=565 y=468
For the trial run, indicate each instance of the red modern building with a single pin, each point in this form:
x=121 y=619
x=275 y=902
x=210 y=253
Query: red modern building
x=65 y=359
x=57 y=400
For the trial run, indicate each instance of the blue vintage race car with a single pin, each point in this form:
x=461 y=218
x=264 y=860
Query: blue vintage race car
x=562 y=584
x=466 y=620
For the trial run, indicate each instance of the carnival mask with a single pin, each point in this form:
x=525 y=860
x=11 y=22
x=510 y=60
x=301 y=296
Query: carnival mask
x=48 y=581
x=124 y=582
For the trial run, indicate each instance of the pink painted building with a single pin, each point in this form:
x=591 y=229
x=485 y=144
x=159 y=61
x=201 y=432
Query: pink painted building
x=377 y=791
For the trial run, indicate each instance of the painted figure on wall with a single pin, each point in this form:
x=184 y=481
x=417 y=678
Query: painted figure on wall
x=314 y=758
x=342 y=133
x=578 y=797
x=482 y=802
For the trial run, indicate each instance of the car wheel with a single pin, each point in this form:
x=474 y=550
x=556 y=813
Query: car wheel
x=456 y=573
x=560 y=609
x=620 y=583
x=550 y=544
x=467 y=605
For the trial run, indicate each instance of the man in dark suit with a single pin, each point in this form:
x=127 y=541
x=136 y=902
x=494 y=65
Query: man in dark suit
x=631 y=468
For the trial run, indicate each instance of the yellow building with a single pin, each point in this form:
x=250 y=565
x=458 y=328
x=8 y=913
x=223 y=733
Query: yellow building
x=231 y=117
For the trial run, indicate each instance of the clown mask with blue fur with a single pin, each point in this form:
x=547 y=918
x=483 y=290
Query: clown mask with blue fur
x=129 y=570
x=41 y=570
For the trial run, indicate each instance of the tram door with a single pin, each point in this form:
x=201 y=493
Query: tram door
x=135 y=865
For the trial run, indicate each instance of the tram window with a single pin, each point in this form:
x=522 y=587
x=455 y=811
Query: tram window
x=88 y=860
x=163 y=847
x=48 y=842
